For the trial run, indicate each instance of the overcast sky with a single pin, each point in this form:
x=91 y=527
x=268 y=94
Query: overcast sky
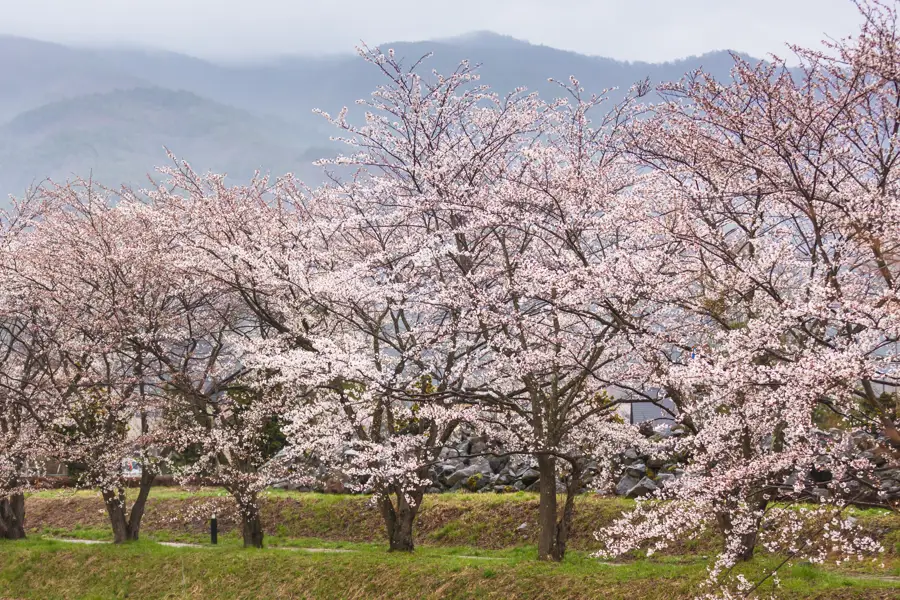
x=651 y=30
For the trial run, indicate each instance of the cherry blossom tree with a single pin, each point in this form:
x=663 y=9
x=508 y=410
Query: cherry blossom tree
x=380 y=367
x=560 y=324
x=778 y=190
x=16 y=437
x=21 y=414
x=341 y=282
x=430 y=145
x=224 y=419
x=151 y=362
x=25 y=414
x=473 y=231
x=82 y=273
x=214 y=425
x=431 y=151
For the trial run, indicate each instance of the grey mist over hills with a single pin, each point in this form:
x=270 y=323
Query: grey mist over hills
x=107 y=113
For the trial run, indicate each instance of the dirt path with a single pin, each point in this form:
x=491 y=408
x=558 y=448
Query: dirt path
x=186 y=545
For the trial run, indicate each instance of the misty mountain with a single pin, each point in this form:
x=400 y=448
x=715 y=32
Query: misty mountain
x=109 y=112
x=33 y=73
x=291 y=87
x=120 y=136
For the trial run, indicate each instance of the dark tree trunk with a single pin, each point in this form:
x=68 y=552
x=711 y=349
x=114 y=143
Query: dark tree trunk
x=127 y=528
x=554 y=531
x=251 y=529
x=400 y=519
x=12 y=517
x=140 y=504
x=114 y=500
x=747 y=540
x=565 y=524
x=251 y=520
x=547 y=507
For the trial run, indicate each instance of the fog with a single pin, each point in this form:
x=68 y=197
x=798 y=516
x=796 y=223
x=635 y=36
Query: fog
x=235 y=30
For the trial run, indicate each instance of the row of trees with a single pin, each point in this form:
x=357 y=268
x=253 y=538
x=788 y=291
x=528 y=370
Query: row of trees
x=500 y=263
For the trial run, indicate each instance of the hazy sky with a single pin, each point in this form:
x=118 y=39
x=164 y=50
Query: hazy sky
x=652 y=30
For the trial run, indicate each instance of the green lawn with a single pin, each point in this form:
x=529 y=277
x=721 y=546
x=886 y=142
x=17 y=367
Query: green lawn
x=469 y=546
x=46 y=569
x=490 y=521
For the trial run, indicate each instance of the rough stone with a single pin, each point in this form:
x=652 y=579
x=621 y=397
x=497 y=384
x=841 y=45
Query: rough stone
x=498 y=463
x=477 y=481
x=637 y=470
x=626 y=483
x=656 y=463
x=478 y=446
x=644 y=486
x=529 y=476
x=460 y=475
x=446 y=471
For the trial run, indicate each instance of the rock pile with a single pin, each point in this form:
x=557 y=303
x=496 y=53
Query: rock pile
x=465 y=468
x=470 y=465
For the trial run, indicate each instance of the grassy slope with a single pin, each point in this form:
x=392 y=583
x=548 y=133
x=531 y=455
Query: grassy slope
x=489 y=521
x=452 y=528
x=47 y=570
x=482 y=520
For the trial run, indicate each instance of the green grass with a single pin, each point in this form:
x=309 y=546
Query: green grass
x=491 y=521
x=469 y=545
x=488 y=520
x=49 y=570
x=461 y=499
x=161 y=493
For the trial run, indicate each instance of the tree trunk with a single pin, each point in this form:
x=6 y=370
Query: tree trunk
x=554 y=531
x=746 y=540
x=251 y=528
x=400 y=519
x=137 y=509
x=251 y=521
x=12 y=517
x=547 y=508
x=127 y=528
x=114 y=500
x=558 y=552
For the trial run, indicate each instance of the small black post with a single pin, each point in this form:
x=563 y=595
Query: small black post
x=214 y=530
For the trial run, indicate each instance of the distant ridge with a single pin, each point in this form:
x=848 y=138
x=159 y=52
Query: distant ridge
x=483 y=39
x=66 y=110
